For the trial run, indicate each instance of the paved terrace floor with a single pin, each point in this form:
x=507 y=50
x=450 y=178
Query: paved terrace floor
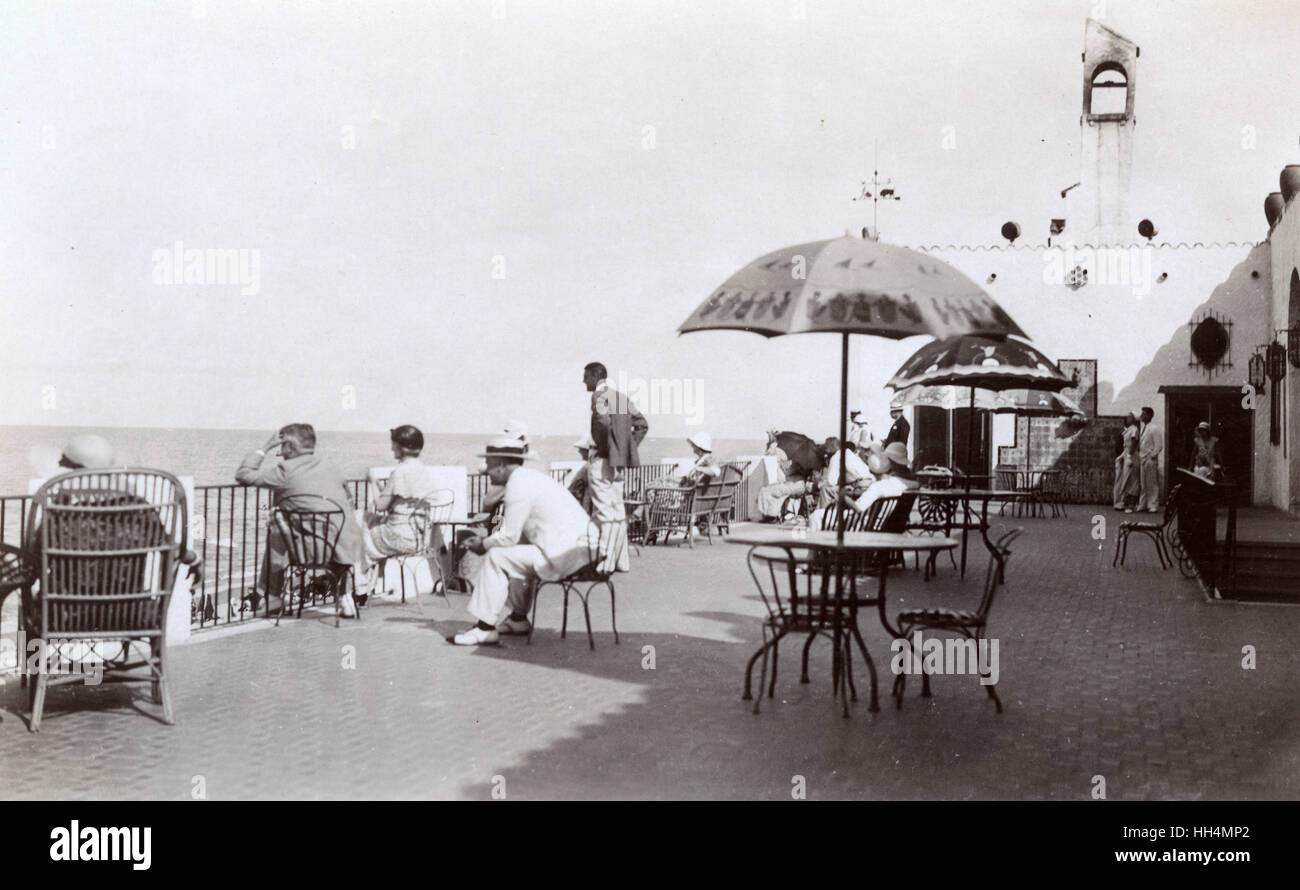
x=1129 y=674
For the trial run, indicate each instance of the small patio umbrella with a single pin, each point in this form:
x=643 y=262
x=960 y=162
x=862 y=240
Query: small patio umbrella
x=851 y=286
x=980 y=363
x=803 y=452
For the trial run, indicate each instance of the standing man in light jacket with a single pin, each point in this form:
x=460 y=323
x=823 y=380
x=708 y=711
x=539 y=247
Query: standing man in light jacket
x=617 y=428
x=1151 y=441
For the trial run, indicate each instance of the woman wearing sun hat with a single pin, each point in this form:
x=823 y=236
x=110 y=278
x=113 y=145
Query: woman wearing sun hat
x=893 y=472
x=705 y=466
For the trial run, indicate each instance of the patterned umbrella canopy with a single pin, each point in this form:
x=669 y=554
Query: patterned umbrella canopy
x=1012 y=401
x=851 y=286
x=982 y=362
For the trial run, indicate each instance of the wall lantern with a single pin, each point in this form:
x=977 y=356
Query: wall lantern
x=1276 y=358
x=1256 y=375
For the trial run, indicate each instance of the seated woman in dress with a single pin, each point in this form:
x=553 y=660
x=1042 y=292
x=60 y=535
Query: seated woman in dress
x=389 y=530
x=705 y=466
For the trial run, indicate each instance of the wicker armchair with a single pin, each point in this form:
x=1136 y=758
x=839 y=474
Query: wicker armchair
x=711 y=506
x=105 y=546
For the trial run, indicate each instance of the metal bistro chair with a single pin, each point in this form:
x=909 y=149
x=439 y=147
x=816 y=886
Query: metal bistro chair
x=311 y=538
x=607 y=548
x=1006 y=479
x=1051 y=491
x=812 y=611
x=937 y=516
x=433 y=511
x=1156 y=531
x=970 y=625
x=105 y=546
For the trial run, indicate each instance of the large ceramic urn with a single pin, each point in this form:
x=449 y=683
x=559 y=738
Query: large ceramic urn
x=1290 y=181
x=1274 y=204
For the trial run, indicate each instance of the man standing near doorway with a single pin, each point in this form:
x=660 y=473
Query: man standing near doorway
x=900 y=430
x=617 y=428
x=1151 y=441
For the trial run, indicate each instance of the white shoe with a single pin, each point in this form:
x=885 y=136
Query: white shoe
x=476 y=636
x=347 y=608
x=514 y=627
x=1154 y=510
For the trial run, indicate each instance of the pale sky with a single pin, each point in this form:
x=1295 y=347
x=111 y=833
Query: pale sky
x=614 y=162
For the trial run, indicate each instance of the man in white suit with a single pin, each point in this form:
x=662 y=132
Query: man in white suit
x=544 y=534
x=1151 y=441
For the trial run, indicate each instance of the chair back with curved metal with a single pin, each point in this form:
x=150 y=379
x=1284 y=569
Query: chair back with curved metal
x=997 y=566
x=435 y=509
x=311 y=538
x=607 y=552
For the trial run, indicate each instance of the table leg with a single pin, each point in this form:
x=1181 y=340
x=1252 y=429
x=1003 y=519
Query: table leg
x=965 y=530
x=984 y=533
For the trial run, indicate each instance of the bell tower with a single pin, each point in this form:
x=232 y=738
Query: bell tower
x=1097 y=212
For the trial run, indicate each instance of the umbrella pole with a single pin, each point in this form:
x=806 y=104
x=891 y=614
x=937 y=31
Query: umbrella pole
x=844 y=414
x=970 y=436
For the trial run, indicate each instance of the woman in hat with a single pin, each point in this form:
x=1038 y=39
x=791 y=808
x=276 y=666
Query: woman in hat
x=1207 y=461
x=894 y=476
x=389 y=530
x=705 y=466
x=576 y=479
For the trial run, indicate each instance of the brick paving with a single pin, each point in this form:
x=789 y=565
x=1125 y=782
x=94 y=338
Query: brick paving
x=1129 y=674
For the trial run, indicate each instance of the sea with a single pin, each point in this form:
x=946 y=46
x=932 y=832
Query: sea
x=211 y=455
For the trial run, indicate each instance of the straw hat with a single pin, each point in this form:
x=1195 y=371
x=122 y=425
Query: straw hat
x=507 y=446
x=89 y=451
x=702 y=441
x=584 y=444
x=897 y=453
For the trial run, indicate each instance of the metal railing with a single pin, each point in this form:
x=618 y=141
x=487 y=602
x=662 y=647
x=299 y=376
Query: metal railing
x=228 y=529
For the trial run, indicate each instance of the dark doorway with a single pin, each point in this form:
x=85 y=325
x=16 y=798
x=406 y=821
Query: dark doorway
x=941 y=440
x=1220 y=407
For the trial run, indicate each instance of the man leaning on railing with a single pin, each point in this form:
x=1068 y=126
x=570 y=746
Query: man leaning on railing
x=300 y=479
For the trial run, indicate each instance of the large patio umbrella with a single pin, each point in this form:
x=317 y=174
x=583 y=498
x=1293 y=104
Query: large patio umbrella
x=1020 y=402
x=851 y=286
x=980 y=363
